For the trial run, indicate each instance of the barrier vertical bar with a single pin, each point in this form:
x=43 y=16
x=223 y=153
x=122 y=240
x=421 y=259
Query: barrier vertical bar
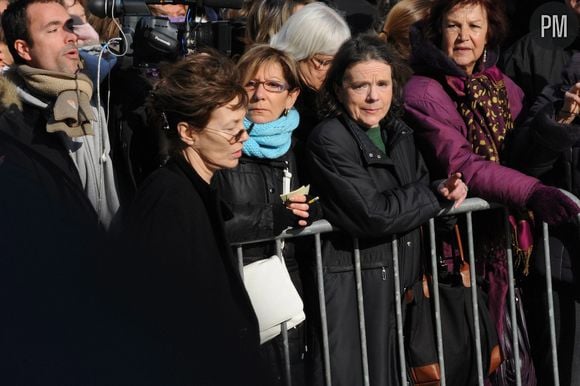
x=322 y=306
x=284 y=327
x=435 y=278
x=512 y=296
x=474 y=300
x=553 y=341
x=398 y=309
x=240 y=253
x=361 y=313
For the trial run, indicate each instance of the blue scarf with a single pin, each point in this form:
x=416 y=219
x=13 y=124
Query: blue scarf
x=271 y=140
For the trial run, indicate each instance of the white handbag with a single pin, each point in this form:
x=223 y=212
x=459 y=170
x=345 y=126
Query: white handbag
x=273 y=296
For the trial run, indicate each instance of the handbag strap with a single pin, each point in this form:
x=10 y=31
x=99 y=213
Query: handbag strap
x=464 y=265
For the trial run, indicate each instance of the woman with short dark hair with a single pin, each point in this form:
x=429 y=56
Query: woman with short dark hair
x=373 y=185
x=183 y=285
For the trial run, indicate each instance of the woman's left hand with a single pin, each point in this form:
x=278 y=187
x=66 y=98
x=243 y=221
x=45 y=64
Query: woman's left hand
x=453 y=189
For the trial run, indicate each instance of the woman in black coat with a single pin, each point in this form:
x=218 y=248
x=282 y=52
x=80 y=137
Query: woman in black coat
x=373 y=185
x=183 y=288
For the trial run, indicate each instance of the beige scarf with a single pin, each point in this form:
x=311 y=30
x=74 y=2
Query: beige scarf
x=71 y=111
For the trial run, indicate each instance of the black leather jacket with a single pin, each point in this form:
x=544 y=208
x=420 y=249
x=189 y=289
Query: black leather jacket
x=252 y=191
x=370 y=194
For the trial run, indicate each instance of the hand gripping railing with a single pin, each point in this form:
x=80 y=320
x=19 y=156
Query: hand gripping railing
x=468 y=207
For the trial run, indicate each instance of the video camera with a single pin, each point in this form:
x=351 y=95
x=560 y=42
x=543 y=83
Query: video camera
x=152 y=39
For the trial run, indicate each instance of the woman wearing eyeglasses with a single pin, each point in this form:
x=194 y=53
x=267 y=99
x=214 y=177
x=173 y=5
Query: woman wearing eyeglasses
x=253 y=189
x=180 y=282
x=311 y=36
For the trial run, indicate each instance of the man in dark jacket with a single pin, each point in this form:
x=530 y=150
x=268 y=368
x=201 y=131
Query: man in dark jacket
x=533 y=65
x=56 y=194
x=548 y=147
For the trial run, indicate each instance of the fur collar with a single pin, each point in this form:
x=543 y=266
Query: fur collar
x=9 y=95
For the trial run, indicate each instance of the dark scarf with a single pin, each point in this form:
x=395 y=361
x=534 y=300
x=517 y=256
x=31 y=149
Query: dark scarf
x=483 y=104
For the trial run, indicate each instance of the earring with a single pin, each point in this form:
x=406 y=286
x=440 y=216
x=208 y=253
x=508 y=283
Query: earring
x=165 y=122
x=285 y=113
x=484 y=56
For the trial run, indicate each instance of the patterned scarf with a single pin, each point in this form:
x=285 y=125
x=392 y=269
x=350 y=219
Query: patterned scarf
x=71 y=94
x=271 y=140
x=483 y=104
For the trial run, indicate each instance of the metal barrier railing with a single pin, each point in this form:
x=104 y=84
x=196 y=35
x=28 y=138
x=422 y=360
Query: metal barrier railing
x=468 y=207
x=315 y=229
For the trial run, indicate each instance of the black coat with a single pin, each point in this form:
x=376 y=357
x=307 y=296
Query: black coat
x=183 y=285
x=550 y=151
x=52 y=328
x=373 y=196
x=533 y=66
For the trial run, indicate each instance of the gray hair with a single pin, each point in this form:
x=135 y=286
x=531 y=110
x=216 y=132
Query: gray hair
x=316 y=28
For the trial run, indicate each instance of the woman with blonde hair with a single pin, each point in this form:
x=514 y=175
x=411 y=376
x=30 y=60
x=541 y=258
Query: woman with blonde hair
x=252 y=190
x=266 y=17
x=398 y=23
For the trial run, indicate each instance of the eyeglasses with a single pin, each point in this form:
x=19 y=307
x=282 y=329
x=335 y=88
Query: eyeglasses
x=231 y=138
x=321 y=63
x=269 y=85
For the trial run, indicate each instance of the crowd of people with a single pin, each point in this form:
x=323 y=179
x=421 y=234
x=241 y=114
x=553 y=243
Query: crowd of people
x=124 y=187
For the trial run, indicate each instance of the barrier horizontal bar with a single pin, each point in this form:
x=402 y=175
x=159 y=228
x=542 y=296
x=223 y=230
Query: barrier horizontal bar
x=473 y=204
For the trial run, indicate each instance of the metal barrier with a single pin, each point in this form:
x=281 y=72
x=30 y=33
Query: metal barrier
x=468 y=207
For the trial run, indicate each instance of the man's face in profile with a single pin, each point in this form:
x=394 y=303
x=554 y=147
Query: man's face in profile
x=52 y=43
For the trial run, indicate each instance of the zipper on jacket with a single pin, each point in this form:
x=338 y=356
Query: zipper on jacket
x=384 y=273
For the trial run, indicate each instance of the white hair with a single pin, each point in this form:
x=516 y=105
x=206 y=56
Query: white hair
x=315 y=28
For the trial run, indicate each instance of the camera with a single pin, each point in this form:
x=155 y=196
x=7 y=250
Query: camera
x=152 y=39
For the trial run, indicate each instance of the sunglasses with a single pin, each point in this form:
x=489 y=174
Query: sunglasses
x=231 y=138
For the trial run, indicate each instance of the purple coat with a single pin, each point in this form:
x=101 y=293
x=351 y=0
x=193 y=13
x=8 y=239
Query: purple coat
x=442 y=134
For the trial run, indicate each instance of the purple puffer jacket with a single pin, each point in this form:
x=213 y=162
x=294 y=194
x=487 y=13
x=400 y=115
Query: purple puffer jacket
x=442 y=134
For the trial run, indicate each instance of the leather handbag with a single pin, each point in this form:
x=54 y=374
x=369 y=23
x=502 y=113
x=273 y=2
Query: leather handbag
x=421 y=350
x=457 y=327
x=274 y=298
